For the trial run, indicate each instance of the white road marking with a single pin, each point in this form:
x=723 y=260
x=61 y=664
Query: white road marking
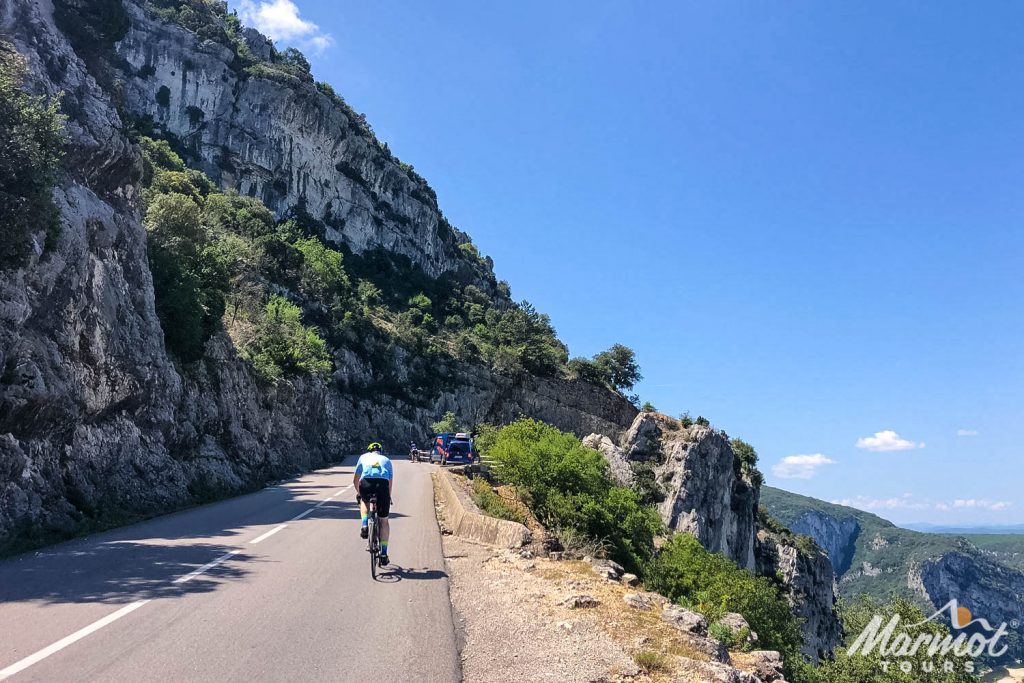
x=268 y=534
x=74 y=637
x=206 y=567
x=25 y=663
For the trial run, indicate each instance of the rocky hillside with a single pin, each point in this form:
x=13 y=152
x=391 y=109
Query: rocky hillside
x=102 y=417
x=871 y=556
x=703 y=485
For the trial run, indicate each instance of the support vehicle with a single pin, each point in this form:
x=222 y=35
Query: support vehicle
x=453 y=447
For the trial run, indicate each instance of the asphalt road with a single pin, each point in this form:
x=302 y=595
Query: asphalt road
x=271 y=586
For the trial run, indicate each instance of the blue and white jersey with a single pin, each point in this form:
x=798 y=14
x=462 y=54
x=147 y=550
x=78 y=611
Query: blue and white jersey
x=374 y=466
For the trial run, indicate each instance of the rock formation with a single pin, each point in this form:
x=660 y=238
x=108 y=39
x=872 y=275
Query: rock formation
x=707 y=492
x=98 y=424
x=810 y=584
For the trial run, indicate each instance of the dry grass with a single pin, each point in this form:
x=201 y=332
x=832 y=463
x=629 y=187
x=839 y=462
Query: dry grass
x=635 y=630
x=650 y=661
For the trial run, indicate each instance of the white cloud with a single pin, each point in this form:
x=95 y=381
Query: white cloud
x=966 y=432
x=974 y=504
x=887 y=440
x=907 y=502
x=280 y=20
x=800 y=466
x=865 y=503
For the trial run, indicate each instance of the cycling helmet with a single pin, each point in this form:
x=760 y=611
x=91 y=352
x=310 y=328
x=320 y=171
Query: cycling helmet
x=374 y=447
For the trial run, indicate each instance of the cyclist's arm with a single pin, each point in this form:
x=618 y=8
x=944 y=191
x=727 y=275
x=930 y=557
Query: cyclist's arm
x=356 y=476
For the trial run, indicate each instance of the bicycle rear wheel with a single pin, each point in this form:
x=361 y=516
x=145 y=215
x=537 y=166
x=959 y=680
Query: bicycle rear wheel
x=374 y=544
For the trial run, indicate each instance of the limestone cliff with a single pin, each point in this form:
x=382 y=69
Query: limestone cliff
x=873 y=557
x=98 y=423
x=809 y=581
x=705 y=490
x=280 y=138
x=836 y=535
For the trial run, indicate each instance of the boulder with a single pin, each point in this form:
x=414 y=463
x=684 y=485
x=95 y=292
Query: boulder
x=765 y=664
x=580 y=602
x=739 y=626
x=612 y=571
x=643 y=601
x=685 y=620
x=717 y=672
x=618 y=464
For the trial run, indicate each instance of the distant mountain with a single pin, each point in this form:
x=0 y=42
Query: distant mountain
x=968 y=530
x=872 y=556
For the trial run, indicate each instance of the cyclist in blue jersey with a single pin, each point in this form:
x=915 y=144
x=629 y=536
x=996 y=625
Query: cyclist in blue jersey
x=374 y=476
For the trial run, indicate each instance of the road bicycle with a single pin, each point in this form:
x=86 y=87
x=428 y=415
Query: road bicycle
x=373 y=537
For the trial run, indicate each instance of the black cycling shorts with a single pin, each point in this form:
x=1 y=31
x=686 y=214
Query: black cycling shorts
x=376 y=487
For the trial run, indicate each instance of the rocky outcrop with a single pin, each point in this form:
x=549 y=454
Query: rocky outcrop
x=708 y=493
x=836 y=535
x=809 y=581
x=927 y=568
x=619 y=468
x=97 y=423
x=987 y=589
x=275 y=137
x=705 y=492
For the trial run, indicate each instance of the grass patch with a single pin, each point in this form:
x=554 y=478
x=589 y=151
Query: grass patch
x=493 y=504
x=650 y=661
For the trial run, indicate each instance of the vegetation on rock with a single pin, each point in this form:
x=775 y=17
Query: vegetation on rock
x=31 y=146
x=567 y=487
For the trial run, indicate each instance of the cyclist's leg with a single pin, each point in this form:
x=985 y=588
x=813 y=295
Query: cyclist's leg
x=364 y=511
x=383 y=510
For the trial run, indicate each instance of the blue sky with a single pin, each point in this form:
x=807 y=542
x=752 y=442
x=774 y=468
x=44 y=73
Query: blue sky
x=804 y=217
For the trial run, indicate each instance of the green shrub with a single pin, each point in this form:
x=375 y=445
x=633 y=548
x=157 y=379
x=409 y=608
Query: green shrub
x=745 y=461
x=651 y=662
x=284 y=346
x=190 y=282
x=567 y=486
x=494 y=505
x=648 y=407
x=31 y=146
x=447 y=424
x=732 y=640
x=685 y=572
x=195 y=115
x=239 y=214
x=588 y=371
x=322 y=271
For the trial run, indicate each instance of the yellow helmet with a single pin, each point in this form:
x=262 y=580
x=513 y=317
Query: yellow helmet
x=374 y=447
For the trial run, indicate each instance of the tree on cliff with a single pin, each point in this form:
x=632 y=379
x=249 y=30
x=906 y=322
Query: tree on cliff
x=31 y=145
x=619 y=364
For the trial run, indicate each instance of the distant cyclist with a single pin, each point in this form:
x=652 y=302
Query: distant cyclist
x=374 y=476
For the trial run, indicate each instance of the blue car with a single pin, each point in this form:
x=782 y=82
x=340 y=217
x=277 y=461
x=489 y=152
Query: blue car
x=452 y=448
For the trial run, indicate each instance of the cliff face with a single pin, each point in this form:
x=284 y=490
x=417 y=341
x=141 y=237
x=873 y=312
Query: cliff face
x=97 y=422
x=282 y=141
x=988 y=589
x=837 y=535
x=705 y=492
x=810 y=584
x=873 y=557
